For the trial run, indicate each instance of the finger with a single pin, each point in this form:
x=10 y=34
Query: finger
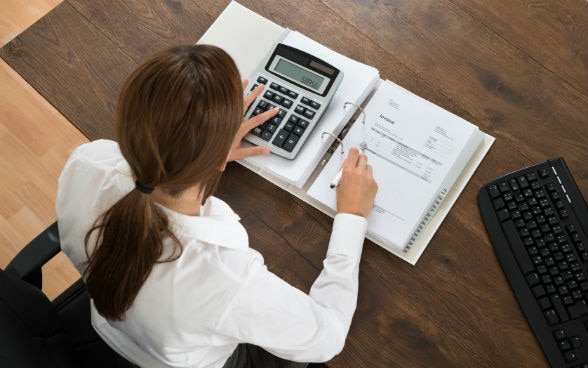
x=352 y=157
x=369 y=171
x=259 y=119
x=244 y=83
x=251 y=96
x=253 y=151
x=362 y=161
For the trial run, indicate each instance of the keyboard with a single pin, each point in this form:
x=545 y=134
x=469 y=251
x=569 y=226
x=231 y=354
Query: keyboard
x=537 y=221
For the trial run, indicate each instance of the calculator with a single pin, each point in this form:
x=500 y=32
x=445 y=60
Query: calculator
x=302 y=86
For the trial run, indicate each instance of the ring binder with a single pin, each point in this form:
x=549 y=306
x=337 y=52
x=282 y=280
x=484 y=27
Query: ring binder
x=337 y=139
x=340 y=137
x=357 y=107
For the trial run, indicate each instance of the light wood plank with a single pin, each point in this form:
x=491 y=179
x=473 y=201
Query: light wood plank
x=35 y=141
x=18 y=15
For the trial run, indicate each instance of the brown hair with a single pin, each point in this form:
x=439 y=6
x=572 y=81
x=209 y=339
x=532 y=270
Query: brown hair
x=177 y=116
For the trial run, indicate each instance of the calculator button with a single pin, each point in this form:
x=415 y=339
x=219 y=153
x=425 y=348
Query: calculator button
x=275 y=86
x=291 y=142
x=268 y=94
x=262 y=104
x=289 y=126
x=298 y=131
x=276 y=120
x=254 y=86
x=271 y=128
x=266 y=136
x=277 y=99
x=309 y=113
x=292 y=94
x=283 y=90
x=293 y=119
x=287 y=103
x=315 y=105
x=282 y=113
x=281 y=138
x=261 y=80
x=257 y=131
x=299 y=109
x=303 y=123
x=257 y=111
x=305 y=100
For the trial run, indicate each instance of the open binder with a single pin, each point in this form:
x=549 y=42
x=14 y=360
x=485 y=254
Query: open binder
x=422 y=155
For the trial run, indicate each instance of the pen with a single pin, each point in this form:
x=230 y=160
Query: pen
x=337 y=179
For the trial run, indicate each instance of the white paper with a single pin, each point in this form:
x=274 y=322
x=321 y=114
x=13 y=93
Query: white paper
x=417 y=151
x=243 y=34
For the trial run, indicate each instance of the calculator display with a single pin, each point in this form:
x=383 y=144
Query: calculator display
x=300 y=74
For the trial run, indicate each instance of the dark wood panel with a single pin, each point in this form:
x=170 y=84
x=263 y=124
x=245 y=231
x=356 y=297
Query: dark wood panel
x=141 y=28
x=73 y=66
x=548 y=26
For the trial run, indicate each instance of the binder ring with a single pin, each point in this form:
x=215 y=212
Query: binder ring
x=359 y=108
x=336 y=138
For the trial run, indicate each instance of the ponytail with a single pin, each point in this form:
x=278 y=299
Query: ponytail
x=130 y=235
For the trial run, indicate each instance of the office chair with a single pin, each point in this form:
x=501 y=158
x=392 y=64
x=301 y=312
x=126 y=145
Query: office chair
x=37 y=332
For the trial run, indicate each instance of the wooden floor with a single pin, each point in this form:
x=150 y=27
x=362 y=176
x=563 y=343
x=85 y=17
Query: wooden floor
x=35 y=141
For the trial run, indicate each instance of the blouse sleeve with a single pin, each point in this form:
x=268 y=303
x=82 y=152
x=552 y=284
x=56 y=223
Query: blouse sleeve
x=269 y=312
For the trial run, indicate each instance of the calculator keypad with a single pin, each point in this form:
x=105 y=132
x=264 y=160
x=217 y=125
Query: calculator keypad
x=295 y=116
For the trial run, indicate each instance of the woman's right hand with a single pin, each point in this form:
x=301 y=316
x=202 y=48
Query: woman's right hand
x=357 y=189
x=238 y=151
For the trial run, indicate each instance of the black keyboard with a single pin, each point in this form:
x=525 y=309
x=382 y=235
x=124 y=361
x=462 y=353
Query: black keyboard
x=537 y=221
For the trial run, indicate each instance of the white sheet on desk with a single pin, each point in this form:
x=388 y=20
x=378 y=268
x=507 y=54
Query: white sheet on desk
x=243 y=34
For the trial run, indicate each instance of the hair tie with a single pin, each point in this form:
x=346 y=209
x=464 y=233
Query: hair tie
x=143 y=189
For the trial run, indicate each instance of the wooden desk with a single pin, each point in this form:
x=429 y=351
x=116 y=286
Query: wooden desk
x=519 y=70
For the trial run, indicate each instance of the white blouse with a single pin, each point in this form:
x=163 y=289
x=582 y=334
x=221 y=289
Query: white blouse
x=193 y=312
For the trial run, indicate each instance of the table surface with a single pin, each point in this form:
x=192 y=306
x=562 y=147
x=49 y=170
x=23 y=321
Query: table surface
x=518 y=70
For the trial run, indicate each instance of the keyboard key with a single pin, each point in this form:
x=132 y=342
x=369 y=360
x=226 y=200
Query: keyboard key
x=493 y=191
x=576 y=342
x=559 y=307
x=570 y=356
x=551 y=317
x=564 y=345
x=503 y=187
x=503 y=214
x=498 y=203
x=560 y=334
x=521 y=255
x=578 y=310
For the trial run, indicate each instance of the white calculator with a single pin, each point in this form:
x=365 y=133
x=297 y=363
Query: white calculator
x=302 y=86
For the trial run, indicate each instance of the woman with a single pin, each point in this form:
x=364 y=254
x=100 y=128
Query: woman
x=172 y=280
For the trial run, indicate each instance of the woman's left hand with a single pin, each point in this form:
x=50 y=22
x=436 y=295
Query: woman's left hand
x=237 y=150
